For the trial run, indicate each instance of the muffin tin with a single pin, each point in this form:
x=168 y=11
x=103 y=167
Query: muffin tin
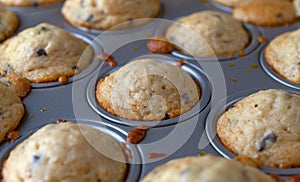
x=223 y=81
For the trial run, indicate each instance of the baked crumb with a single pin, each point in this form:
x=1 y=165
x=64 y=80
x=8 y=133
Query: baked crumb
x=137 y=134
x=159 y=45
x=262 y=39
x=12 y=136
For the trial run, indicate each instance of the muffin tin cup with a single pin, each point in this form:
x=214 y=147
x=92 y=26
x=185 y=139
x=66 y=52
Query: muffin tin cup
x=133 y=161
x=219 y=6
x=266 y=67
x=197 y=74
x=211 y=130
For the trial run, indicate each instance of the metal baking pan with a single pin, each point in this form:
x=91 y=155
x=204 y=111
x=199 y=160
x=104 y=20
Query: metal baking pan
x=220 y=79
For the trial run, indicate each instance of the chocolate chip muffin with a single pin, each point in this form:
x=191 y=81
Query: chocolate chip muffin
x=266 y=13
x=148 y=90
x=26 y=3
x=264 y=126
x=282 y=54
x=208 y=33
x=8 y=23
x=105 y=14
x=66 y=152
x=11 y=110
x=236 y=3
x=206 y=169
x=43 y=54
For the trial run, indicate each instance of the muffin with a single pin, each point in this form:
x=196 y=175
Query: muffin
x=66 y=152
x=43 y=54
x=208 y=33
x=282 y=55
x=26 y=3
x=264 y=126
x=147 y=90
x=206 y=169
x=266 y=13
x=236 y=3
x=11 y=110
x=105 y=14
x=8 y=23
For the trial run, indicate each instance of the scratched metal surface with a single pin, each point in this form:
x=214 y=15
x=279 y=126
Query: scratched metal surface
x=223 y=82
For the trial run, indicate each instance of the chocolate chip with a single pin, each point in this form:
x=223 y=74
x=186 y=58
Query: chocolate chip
x=43 y=28
x=40 y=52
x=279 y=15
x=255 y=105
x=36 y=158
x=167 y=116
x=90 y=17
x=269 y=138
x=74 y=67
x=35 y=4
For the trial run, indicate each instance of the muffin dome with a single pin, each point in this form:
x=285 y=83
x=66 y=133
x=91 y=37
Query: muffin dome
x=206 y=169
x=105 y=14
x=147 y=89
x=208 y=33
x=66 y=152
x=264 y=126
x=44 y=53
x=236 y=3
x=283 y=56
x=266 y=12
x=23 y=3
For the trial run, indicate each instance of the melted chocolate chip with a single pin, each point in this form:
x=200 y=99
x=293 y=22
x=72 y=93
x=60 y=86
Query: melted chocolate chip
x=36 y=158
x=279 y=15
x=167 y=116
x=42 y=29
x=74 y=67
x=90 y=17
x=256 y=105
x=35 y=4
x=40 y=52
x=269 y=138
